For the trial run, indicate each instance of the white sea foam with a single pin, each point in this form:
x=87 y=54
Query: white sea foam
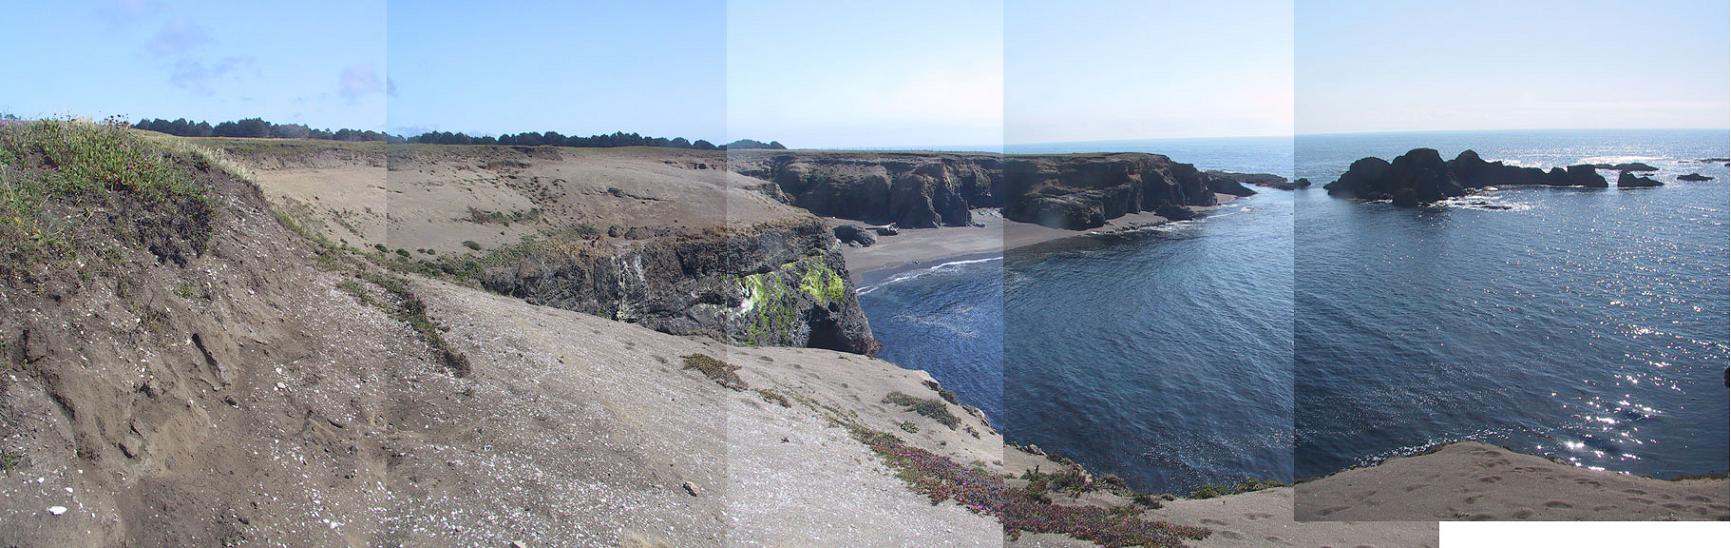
x=913 y=274
x=1620 y=159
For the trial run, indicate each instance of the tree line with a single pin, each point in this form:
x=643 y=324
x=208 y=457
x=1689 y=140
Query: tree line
x=261 y=129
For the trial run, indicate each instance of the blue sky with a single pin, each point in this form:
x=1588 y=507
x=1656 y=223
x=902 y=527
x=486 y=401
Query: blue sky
x=317 y=62
x=579 y=68
x=1126 y=69
x=888 y=74
x=881 y=74
x=1368 y=66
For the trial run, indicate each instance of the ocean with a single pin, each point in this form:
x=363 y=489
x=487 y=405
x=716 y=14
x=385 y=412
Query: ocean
x=1587 y=325
x=1291 y=335
x=1163 y=356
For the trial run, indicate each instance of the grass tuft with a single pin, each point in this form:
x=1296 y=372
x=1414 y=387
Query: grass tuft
x=721 y=372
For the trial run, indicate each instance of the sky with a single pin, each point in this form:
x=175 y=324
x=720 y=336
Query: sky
x=1101 y=70
x=881 y=74
x=971 y=74
x=209 y=60
x=1367 y=66
x=579 y=68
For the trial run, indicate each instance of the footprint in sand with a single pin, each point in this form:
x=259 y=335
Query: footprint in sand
x=1674 y=505
x=1697 y=498
x=1634 y=491
x=1471 y=500
x=1411 y=488
x=1583 y=481
x=1523 y=514
x=1331 y=510
x=1277 y=540
x=1558 y=505
x=1254 y=516
x=1234 y=535
x=1490 y=479
x=1641 y=500
x=1211 y=521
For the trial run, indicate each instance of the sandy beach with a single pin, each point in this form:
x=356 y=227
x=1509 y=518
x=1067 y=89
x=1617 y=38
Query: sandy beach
x=926 y=247
x=1476 y=481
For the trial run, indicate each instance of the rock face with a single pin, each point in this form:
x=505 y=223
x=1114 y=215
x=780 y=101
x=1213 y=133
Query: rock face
x=1630 y=180
x=1082 y=191
x=771 y=285
x=910 y=190
x=1421 y=176
x=925 y=190
x=1694 y=177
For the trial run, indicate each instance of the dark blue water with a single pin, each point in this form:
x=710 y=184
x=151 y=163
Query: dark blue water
x=1162 y=356
x=1588 y=325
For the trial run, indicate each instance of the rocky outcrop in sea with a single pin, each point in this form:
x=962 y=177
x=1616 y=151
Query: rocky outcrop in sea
x=1421 y=176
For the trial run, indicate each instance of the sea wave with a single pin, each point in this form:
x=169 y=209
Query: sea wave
x=951 y=266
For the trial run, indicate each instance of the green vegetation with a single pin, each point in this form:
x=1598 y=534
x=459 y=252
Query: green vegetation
x=909 y=427
x=1219 y=490
x=471 y=245
x=255 y=128
x=1071 y=480
x=10 y=460
x=776 y=309
x=721 y=372
x=81 y=165
x=190 y=291
x=820 y=281
x=925 y=407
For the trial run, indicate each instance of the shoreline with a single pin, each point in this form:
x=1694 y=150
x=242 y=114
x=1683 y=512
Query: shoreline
x=923 y=248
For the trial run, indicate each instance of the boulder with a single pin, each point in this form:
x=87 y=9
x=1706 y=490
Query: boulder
x=886 y=231
x=1630 y=180
x=1301 y=183
x=854 y=234
x=1629 y=166
x=1225 y=185
x=1694 y=177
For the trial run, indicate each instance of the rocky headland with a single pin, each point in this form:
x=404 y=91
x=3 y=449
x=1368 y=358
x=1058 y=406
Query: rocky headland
x=1421 y=176
x=933 y=189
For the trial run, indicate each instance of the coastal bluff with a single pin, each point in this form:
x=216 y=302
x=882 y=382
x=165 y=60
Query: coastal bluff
x=1421 y=176
x=934 y=189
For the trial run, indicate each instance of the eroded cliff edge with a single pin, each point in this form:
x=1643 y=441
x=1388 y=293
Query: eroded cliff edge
x=772 y=284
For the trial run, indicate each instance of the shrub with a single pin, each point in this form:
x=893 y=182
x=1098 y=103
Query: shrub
x=774 y=397
x=471 y=245
x=978 y=490
x=925 y=407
